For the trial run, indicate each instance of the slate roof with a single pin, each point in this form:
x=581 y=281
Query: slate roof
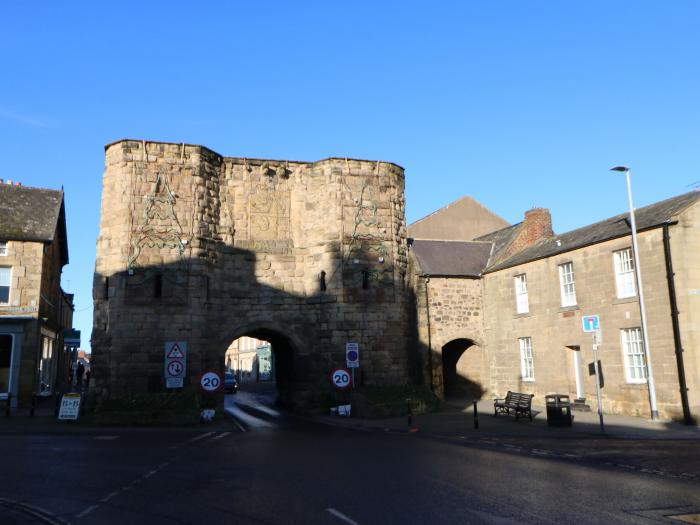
x=647 y=218
x=32 y=214
x=501 y=238
x=451 y=258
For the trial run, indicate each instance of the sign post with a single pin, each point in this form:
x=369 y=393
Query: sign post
x=70 y=407
x=352 y=358
x=175 y=363
x=591 y=324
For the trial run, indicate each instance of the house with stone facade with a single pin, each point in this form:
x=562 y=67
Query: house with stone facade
x=503 y=310
x=34 y=310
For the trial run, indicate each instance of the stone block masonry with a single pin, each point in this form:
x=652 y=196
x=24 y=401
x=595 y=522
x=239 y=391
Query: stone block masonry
x=198 y=247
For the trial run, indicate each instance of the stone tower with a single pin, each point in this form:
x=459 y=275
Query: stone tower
x=201 y=248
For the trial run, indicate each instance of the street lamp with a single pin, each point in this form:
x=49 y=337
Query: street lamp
x=642 y=310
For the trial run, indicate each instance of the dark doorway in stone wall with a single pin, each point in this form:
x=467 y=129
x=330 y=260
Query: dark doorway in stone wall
x=461 y=369
x=262 y=363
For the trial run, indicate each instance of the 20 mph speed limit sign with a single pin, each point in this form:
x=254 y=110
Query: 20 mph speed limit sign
x=341 y=378
x=210 y=382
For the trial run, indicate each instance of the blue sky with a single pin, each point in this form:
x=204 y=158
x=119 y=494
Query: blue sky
x=518 y=104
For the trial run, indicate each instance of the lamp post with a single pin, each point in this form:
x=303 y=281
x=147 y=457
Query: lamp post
x=640 y=291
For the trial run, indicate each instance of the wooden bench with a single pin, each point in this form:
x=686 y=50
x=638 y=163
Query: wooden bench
x=519 y=404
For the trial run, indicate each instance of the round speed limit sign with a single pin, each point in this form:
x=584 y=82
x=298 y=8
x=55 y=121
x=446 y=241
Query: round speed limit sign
x=341 y=378
x=210 y=382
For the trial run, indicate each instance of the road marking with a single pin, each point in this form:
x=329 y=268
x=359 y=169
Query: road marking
x=341 y=516
x=263 y=408
x=86 y=511
x=220 y=436
x=249 y=420
x=42 y=514
x=191 y=440
x=129 y=486
x=240 y=427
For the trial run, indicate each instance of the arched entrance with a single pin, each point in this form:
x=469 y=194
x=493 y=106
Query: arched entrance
x=461 y=369
x=257 y=345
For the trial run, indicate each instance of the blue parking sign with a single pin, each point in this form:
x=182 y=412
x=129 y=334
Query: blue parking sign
x=590 y=323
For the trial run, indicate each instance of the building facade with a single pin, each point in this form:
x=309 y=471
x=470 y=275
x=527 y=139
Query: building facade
x=204 y=249
x=34 y=310
x=534 y=287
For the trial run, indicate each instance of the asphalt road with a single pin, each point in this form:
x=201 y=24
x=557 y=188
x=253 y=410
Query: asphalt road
x=271 y=468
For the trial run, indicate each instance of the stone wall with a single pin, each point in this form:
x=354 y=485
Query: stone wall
x=449 y=311
x=202 y=248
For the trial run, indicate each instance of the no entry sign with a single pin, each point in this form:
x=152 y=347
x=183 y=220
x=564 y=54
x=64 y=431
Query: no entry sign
x=341 y=378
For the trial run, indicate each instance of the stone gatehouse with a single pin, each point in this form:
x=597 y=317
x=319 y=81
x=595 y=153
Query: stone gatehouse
x=201 y=248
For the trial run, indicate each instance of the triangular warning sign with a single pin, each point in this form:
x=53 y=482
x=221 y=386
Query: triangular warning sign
x=175 y=353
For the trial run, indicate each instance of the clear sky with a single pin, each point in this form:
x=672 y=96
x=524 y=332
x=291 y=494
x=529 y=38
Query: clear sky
x=515 y=103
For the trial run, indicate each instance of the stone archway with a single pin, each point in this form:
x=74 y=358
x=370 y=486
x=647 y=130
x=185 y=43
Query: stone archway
x=461 y=369
x=285 y=348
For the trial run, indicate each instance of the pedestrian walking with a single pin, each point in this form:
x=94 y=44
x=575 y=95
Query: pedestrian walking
x=79 y=374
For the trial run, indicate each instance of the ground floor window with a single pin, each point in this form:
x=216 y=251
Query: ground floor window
x=5 y=362
x=633 y=349
x=527 y=362
x=46 y=365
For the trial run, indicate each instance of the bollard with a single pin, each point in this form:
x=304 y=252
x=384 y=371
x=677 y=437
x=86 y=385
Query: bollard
x=33 y=407
x=476 y=416
x=410 y=412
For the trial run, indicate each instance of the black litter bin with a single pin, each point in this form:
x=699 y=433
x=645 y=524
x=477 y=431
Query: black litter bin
x=558 y=410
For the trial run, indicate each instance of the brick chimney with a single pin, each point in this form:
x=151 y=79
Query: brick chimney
x=537 y=225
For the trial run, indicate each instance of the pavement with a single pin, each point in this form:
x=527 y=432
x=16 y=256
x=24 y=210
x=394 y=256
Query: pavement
x=458 y=418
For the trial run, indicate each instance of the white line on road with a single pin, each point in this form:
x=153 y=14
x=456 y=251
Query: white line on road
x=252 y=421
x=191 y=440
x=109 y=496
x=86 y=511
x=341 y=516
x=220 y=436
x=263 y=408
x=129 y=486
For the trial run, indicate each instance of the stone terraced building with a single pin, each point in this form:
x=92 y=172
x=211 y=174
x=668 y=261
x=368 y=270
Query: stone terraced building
x=34 y=310
x=503 y=310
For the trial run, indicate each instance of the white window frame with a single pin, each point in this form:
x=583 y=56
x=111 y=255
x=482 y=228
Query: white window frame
x=567 y=284
x=632 y=343
x=4 y=248
x=522 y=304
x=9 y=285
x=527 y=360
x=623 y=264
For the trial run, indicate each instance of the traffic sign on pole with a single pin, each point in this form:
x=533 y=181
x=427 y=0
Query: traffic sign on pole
x=590 y=323
x=210 y=382
x=175 y=363
x=352 y=355
x=341 y=378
